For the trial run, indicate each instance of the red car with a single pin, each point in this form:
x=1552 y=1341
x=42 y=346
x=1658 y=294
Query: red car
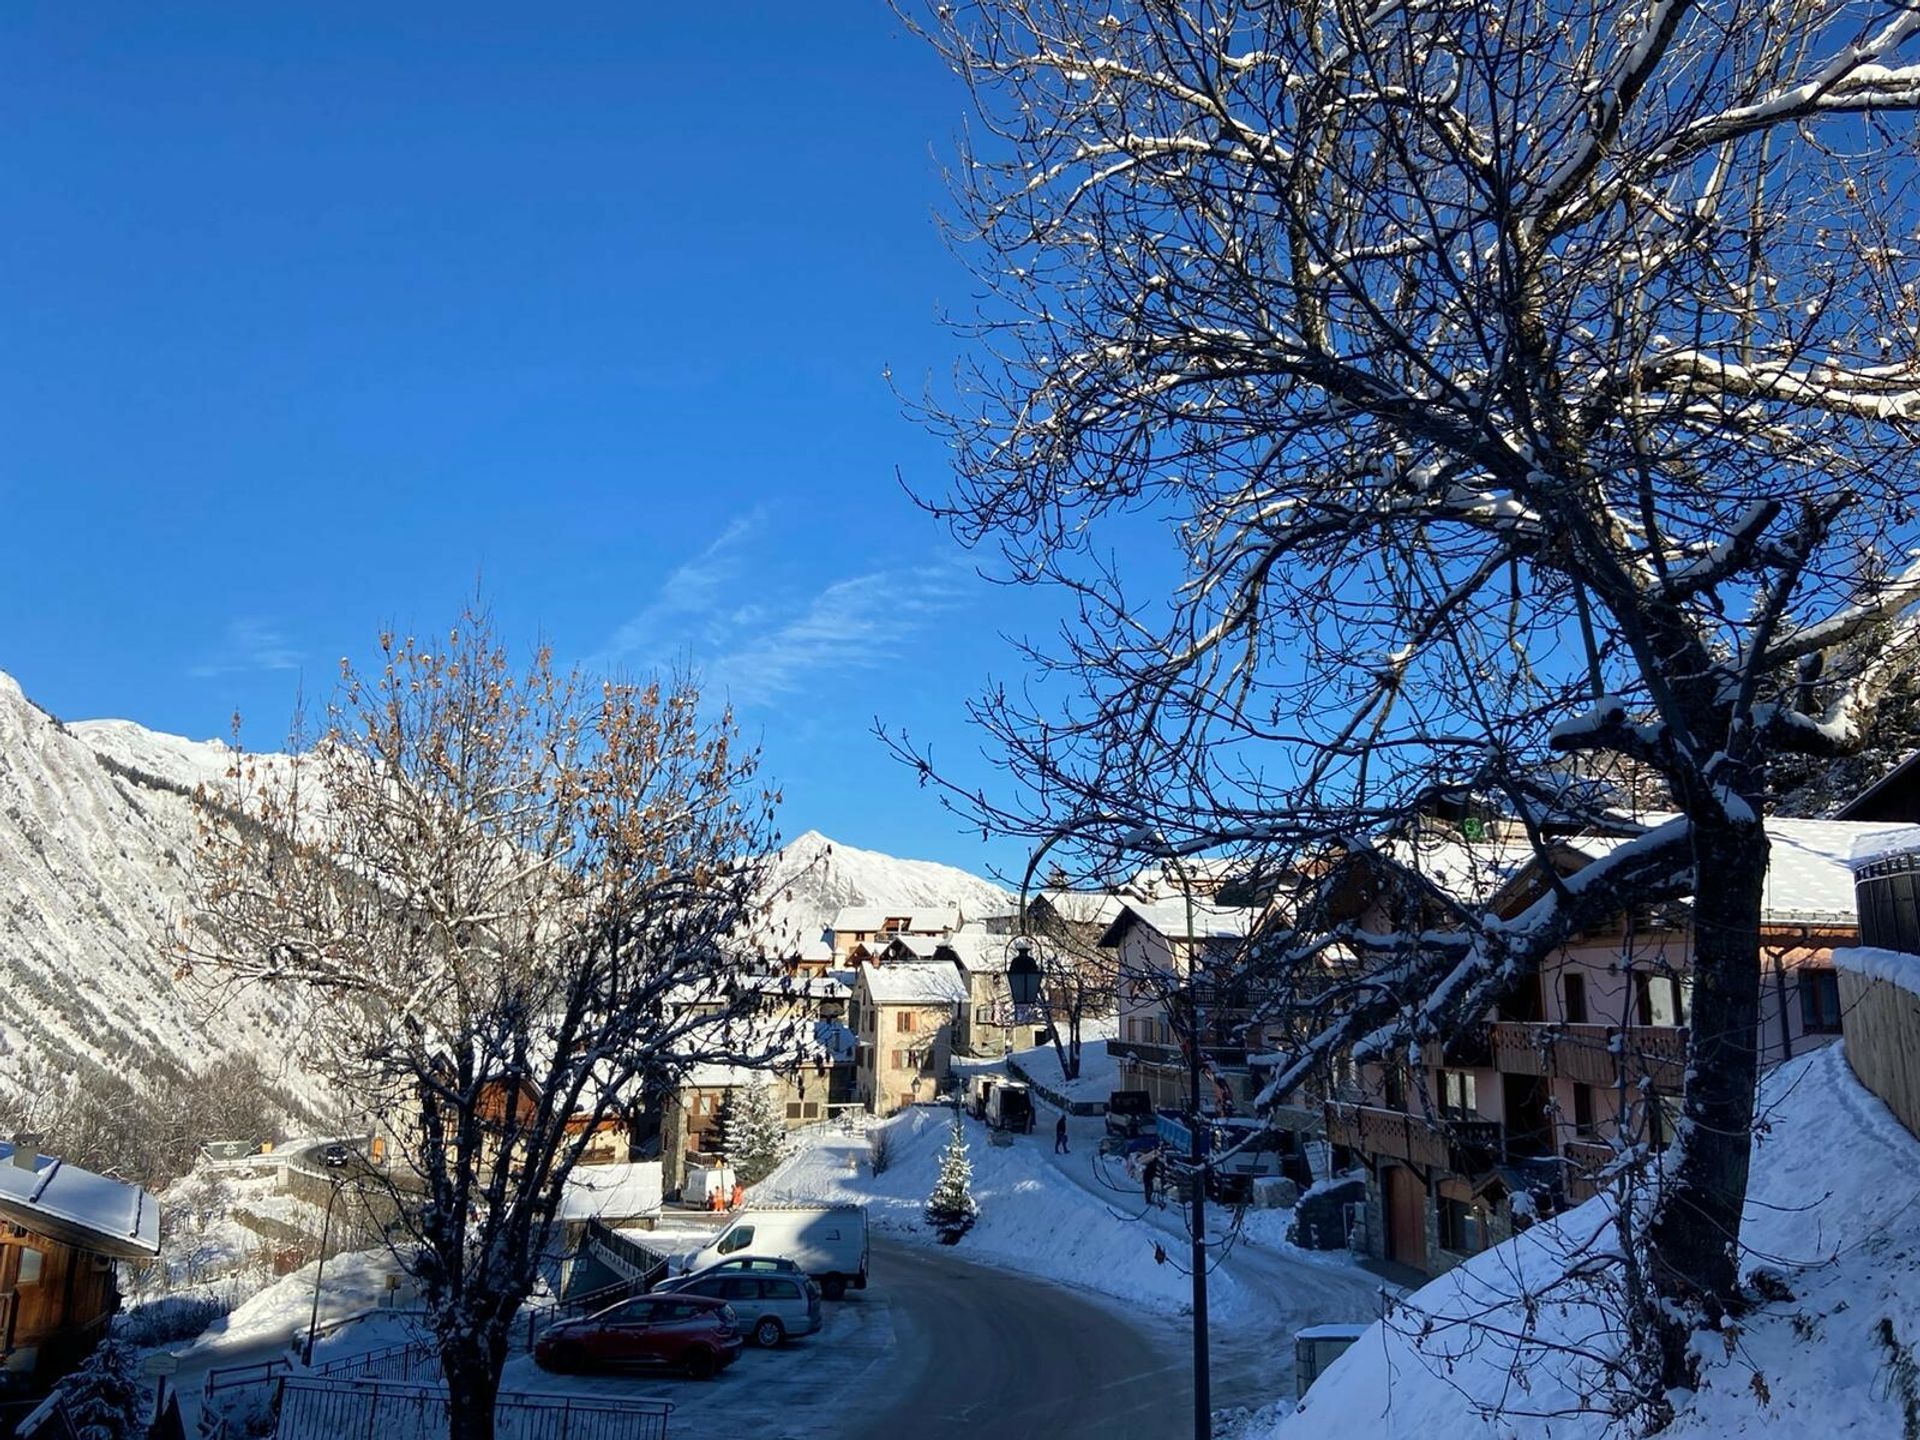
x=689 y=1333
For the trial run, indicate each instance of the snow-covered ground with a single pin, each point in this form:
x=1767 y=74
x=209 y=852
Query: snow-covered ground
x=1833 y=1211
x=1099 y=1073
x=1078 y=1219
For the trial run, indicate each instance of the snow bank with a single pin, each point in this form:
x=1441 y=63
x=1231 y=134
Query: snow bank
x=353 y=1282
x=1832 y=1210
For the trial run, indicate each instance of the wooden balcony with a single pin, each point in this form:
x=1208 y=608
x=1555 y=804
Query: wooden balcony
x=1585 y=1160
x=1467 y=1147
x=1227 y=1057
x=1598 y=1055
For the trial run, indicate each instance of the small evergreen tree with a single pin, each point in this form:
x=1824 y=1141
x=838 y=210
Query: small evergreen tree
x=758 y=1134
x=951 y=1208
x=102 y=1399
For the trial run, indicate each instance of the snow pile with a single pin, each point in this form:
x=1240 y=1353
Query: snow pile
x=1099 y=1073
x=1033 y=1218
x=814 y=877
x=353 y=1284
x=1832 y=1211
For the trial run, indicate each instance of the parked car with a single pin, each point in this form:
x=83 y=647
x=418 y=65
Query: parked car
x=738 y=1265
x=694 y=1334
x=829 y=1242
x=771 y=1307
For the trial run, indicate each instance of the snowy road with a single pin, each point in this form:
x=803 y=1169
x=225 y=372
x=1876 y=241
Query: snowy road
x=937 y=1349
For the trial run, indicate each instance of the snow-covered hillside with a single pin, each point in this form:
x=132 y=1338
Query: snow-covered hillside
x=94 y=863
x=1831 y=1215
x=813 y=877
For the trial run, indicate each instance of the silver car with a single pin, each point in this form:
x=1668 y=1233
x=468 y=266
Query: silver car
x=771 y=1305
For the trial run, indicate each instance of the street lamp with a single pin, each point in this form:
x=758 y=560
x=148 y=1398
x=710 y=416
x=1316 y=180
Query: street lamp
x=320 y=1268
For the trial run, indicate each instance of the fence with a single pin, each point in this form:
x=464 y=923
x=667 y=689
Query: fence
x=347 y=1409
x=1882 y=1024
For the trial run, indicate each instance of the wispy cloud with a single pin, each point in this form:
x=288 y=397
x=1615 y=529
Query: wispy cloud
x=757 y=640
x=249 y=643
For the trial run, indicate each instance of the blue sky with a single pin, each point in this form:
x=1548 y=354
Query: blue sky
x=317 y=315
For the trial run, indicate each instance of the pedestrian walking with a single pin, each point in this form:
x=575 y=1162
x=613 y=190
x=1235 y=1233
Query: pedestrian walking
x=1060 y=1136
x=1149 y=1172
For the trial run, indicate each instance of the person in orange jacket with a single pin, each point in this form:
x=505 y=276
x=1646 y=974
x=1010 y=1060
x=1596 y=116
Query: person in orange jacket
x=739 y=1196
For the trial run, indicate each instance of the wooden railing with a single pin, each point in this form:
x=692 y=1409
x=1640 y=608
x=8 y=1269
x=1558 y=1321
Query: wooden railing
x=1587 y=1161
x=1466 y=1147
x=1600 y=1055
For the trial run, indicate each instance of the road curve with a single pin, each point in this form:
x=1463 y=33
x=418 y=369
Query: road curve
x=986 y=1352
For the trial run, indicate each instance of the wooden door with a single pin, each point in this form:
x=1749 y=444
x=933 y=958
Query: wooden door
x=1406 y=1205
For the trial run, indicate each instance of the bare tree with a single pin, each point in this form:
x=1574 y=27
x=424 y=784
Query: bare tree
x=499 y=889
x=1500 y=381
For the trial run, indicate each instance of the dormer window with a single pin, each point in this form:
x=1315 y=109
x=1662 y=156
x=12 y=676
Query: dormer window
x=897 y=924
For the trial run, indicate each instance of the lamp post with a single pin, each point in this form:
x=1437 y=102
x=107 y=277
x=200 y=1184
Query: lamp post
x=319 y=1269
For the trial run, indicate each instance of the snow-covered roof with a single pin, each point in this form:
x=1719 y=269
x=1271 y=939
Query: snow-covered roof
x=1184 y=920
x=64 y=1202
x=1084 y=907
x=984 y=954
x=1471 y=871
x=1809 y=869
x=796 y=987
x=936 y=982
x=1895 y=840
x=919 y=919
x=612 y=1192
x=787 y=1044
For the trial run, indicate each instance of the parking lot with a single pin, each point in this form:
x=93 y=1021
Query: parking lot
x=798 y=1391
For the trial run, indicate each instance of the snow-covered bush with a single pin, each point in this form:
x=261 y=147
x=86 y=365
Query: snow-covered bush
x=103 y=1398
x=951 y=1209
x=170 y=1318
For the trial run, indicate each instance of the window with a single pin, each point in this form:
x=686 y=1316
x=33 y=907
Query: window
x=1819 y=1001
x=1463 y=1226
x=738 y=1238
x=1660 y=1001
x=810 y=1110
x=1573 y=986
x=1458 y=1098
x=903 y=1022
x=901 y=1058
x=793 y=1110
x=895 y=924
x=1583 y=1109
x=30 y=1261
x=739 y=1287
x=779 y=1290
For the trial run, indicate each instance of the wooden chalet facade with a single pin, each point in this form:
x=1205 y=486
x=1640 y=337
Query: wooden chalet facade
x=63 y=1231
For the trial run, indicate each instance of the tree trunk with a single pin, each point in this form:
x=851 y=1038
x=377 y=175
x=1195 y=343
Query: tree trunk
x=1693 y=1251
x=472 y=1366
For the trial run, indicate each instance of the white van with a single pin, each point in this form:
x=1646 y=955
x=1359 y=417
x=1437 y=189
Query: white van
x=829 y=1242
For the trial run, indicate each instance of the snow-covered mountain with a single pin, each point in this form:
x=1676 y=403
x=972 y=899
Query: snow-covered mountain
x=94 y=868
x=812 y=877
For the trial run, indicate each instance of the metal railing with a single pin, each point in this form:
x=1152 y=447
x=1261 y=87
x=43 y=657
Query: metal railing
x=347 y=1409
x=408 y=1361
x=625 y=1255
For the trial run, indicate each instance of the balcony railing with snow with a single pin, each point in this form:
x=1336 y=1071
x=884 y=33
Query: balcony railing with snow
x=1598 y=1055
x=1466 y=1147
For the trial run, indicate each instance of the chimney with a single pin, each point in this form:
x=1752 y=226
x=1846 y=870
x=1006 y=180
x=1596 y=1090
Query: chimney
x=26 y=1151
